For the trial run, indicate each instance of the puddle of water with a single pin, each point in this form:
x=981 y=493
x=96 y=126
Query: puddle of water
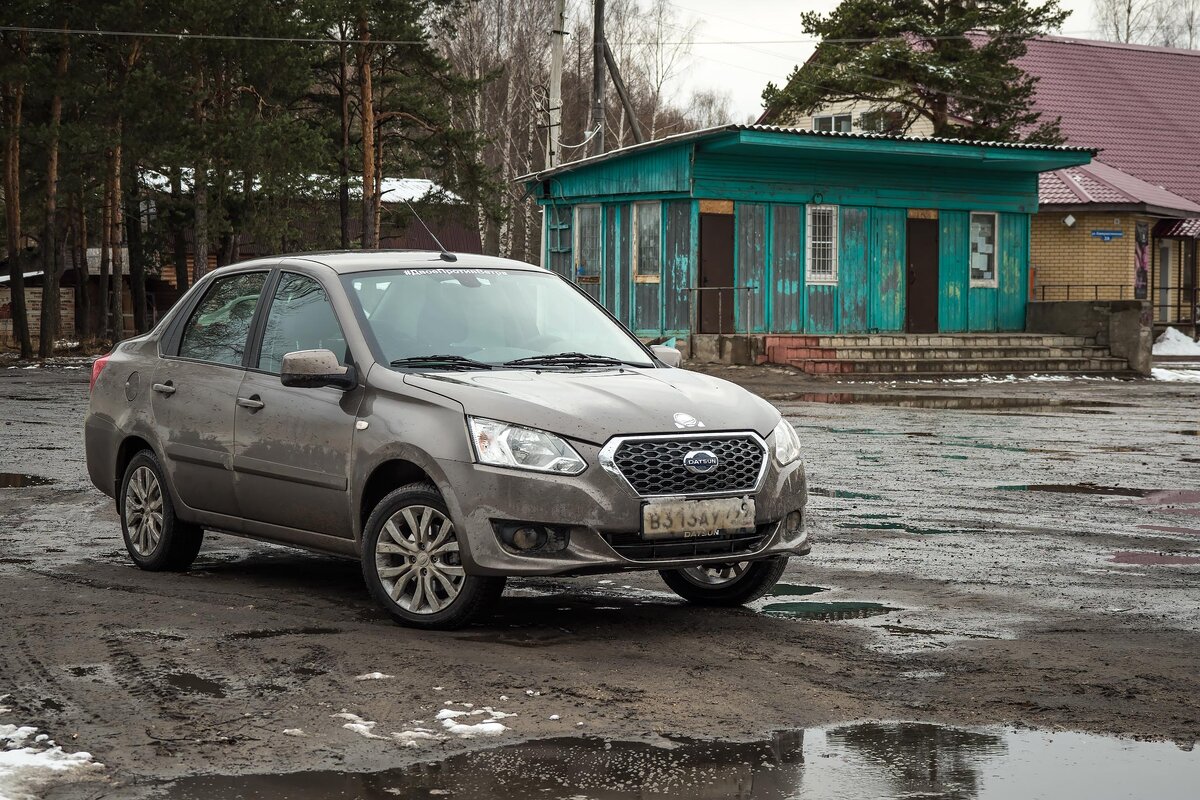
x=17 y=480
x=1152 y=559
x=896 y=526
x=1189 y=433
x=842 y=494
x=194 y=684
x=271 y=634
x=805 y=609
x=940 y=401
x=885 y=760
x=1078 y=488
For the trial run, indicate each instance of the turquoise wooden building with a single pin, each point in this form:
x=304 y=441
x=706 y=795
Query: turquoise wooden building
x=761 y=230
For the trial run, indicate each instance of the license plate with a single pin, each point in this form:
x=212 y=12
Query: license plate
x=688 y=518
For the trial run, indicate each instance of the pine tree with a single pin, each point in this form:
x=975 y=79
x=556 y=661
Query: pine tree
x=950 y=62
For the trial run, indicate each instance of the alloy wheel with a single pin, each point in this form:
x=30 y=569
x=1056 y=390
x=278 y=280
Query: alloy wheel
x=144 y=511
x=417 y=560
x=715 y=574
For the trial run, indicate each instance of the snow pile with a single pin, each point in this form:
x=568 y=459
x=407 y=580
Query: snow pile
x=372 y=676
x=359 y=725
x=1176 y=375
x=488 y=727
x=1175 y=343
x=29 y=759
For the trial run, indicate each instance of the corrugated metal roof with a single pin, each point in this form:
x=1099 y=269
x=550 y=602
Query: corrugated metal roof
x=1100 y=184
x=1138 y=104
x=722 y=129
x=1179 y=229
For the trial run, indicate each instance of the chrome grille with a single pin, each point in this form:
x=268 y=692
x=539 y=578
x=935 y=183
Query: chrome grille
x=654 y=466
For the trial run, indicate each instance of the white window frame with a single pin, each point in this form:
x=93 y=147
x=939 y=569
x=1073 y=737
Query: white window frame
x=994 y=281
x=809 y=276
x=637 y=208
x=833 y=118
x=576 y=229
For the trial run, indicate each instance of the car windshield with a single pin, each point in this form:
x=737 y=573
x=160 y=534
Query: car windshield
x=464 y=318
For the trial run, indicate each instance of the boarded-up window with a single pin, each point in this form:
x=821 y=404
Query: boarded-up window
x=647 y=242
x=558 y=240
x=822 y=247
x=983 y=249
x=587 y=242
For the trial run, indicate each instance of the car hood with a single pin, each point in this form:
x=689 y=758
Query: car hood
x=594 y=405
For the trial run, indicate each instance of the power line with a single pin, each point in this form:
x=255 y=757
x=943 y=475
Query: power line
x=207 y=36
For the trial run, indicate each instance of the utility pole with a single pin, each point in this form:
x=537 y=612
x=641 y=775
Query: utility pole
x=558 y=30
x=554 y=112
x=598 y=45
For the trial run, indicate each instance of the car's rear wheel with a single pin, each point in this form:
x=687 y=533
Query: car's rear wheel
x=413 y=566
x=730 y=584
x=155 y=538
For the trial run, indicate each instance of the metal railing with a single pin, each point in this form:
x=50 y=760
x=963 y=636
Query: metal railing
x=741 y=311
x=1184 y=302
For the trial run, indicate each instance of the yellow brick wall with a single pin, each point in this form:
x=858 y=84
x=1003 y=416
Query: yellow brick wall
x=1060 y=255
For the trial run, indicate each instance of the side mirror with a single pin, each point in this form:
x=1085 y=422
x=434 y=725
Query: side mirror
x=312 y=369
x=668 y=355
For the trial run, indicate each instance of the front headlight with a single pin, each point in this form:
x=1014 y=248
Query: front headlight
x=503 y=445
x=787 y=443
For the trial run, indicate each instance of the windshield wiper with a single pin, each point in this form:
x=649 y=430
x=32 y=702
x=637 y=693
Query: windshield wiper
x=441 y=362
x=569 y=359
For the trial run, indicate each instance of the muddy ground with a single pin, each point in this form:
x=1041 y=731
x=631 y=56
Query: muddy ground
x=1027 y=556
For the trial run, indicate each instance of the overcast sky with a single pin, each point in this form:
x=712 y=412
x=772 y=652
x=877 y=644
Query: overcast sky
x=744 y=69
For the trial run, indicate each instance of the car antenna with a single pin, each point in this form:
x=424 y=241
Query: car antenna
x=445 y=254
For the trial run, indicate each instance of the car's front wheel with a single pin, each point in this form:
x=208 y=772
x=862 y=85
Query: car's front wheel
x=155 y=538
x=413 y=566
x=730 y=584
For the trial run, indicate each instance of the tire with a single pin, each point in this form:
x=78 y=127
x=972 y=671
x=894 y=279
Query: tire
x=155 y=538
x=755 y=579
x=412 y=566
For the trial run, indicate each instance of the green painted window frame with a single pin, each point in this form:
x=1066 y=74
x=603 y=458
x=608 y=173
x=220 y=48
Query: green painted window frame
x=640 y=276
x=587 y=264
x=821 y=278
x=994 y=281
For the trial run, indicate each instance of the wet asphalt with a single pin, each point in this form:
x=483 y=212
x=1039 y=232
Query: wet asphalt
x=990 y=558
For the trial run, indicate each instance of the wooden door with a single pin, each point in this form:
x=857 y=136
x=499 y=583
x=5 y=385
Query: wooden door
x=921 y=310
x=716 y=274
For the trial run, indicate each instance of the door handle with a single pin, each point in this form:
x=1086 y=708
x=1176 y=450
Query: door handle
x=252 y=403
x=164 y=388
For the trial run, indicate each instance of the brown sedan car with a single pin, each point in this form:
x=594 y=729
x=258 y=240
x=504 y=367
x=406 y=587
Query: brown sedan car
x=449 y=422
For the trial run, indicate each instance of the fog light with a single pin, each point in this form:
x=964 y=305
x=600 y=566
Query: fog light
x=792 y=522
x=529 y=538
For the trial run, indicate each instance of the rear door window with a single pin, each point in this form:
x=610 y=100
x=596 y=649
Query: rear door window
x=219 y=327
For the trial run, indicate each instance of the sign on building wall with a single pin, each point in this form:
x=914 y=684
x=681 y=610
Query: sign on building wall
x=1107 y=235
x=1141 y=267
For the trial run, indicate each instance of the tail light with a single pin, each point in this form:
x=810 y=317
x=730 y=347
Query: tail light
x=97 y=367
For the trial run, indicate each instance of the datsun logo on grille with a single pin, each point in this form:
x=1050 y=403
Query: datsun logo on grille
x=700 y=462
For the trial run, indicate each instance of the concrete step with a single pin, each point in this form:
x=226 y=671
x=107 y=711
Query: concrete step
x=789 y=354
x=949 y=367
x=929 y=340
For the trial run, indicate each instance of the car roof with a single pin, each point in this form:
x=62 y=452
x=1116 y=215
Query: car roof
x=350 y=261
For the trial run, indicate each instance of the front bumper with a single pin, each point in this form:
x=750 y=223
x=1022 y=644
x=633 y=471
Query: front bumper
x=601 y=512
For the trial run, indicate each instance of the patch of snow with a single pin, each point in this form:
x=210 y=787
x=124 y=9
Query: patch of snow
x=414 y=737
x=1176 y=375
x=372 y=676
x=1174 y=342
x=294 y=732
x=359 y=725
x=555 y=716
x=491 y=726
x=26 y=766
